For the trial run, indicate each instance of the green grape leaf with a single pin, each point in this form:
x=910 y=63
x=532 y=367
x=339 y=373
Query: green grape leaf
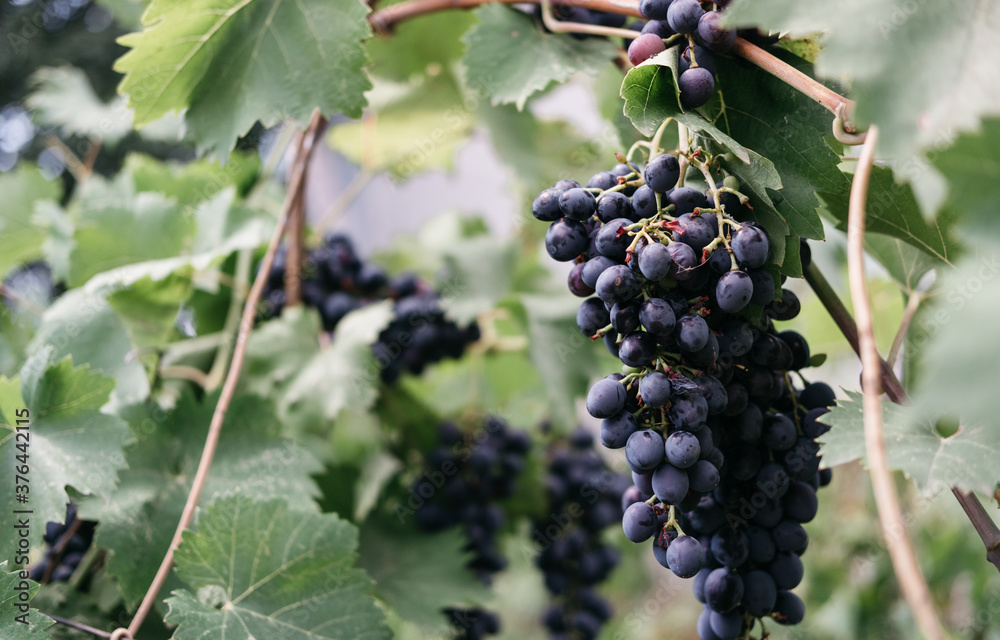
x=958 y=333
x=917 y=74
x=418 y=131
x=509 y=58
x=905 y=263
x=117 y=226
x=147 y=309
x=422 y=45
x=972 y=168
x=192 y=182
x=99 y=338
x=63 y=98
x=71 y=443
x=138 y=521
x=21 y=237
x=966 y=459
x=650 y=92
x=892 y=210
x=230 y=63
x=695 y=123
x=262 y=570
x=420 y=578
x=17 y=620
x=278 y=351
x=345 y=374
x=780 y=123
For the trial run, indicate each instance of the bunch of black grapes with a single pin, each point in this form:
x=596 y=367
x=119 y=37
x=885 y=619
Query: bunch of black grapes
x=63 y=551
x=336 y=281
x=703 y=37
x=584 y=500
x=720 y=442
x=466 y=478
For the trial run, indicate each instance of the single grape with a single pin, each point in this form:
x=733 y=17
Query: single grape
x=817 y=394
x=799 y=348
x=606 y=398
x=751 y=246
x=616 y=430
x=602 y=180
x=644 y=482
x=786 y=569
x=592 y=316
x=713 y=34
x=566 y=239
x=682 y=449
x=790 y=536
x=733 y=292
x=683 y=15
x=760 y=593
x=637 y=349
x=612 y=239
x=625 y=317
x=692 y=333
x=703 y=476
x=763 y=286
x=799 y=504
x=761 y=545
x=811 y=426
x=788 y=608
x=578 y=204
x=565 y=185
x=644 y=451
x=685 y=261
x=659 y=27
x=546 y=206
x=705 y=625
x=657 y=316
x=654 y=9
x=696 y=86
x=685 y=557
x=655 y=389
x=614 y=205
x=686 y=200
x=655 y=261
x=693 y=231
x=670 y=484
x=617 y=284
x=726 y=626
x=779 y=432
x=646 y=46
x=639 y=522
x=688 y=411
x=662 y=173
x=723 y=590
x=730 y=547
x=788 y=307
x=576 y=284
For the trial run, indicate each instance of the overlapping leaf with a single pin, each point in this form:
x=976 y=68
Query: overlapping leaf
x=508 y=58
x=11 y=589
x=262 y=570
x=70 y=443
x=230 y=63
x=138 y=520
x=966 y=459
x=20 y=237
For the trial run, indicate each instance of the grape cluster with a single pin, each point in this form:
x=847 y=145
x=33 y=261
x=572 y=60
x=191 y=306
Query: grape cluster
x=465 y=480
x=720 y=442
x=336 y=281
x=704 y=36
x=65 y=554
x=584 y=500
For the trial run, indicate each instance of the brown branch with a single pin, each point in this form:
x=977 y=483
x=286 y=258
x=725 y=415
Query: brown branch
x=904 y=558
x=304 y=148
x=384 y=20
x=985 y=527
x=79 y=626
x=57 y=551
x=842 y=317
x=296 y=231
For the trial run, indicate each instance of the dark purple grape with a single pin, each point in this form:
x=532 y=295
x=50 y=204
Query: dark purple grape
x=670 y=484
x=644 y=451
x=779 y=432
x=683 y=15
x=685 y=557
x=751 y=246
x=576 y=284
x=799 y=504
x=592 y=316
x=614 y=205
x=705 y=60
x=688 y=411
x=617 y=284
x=644 y=202
x=811 y=426
x=713 y=34
x=612 y=239
x=546 y=206
x=730 y=547
x=602 y=180
x=654 y=9
x=593 y=268
x=760 y=593
x=723 y=589
x=662 y=173
x=786 y=569
x=788 y=608
x=696 y=86
x=566 y=239
x=616 y=430
x=692 y=332
x=655 y=261
x=763 y=286
x=686 y=200
x=703 y=476
x=682 y=449
x=816 y=395
x=692 y=231
x=657 y=316
x=799 y=348
x=655 y=389
x=578 y=204
x=625 y=317
x=733 y=292
x=659 y=27
x=606 y=398
x=685 y=261
x=637 y=349
x=639 y=522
